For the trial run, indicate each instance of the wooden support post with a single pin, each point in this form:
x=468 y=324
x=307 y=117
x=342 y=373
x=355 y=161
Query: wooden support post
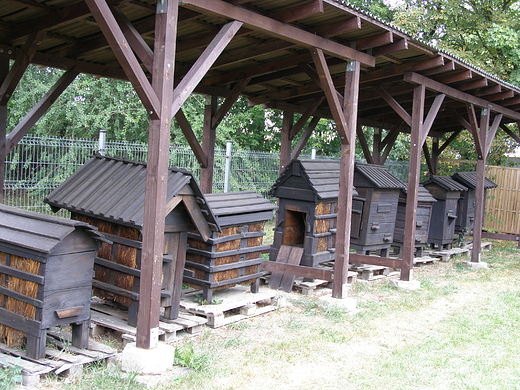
x=285 y=145
x=209 y=134
x=346 y=180
x=157 y=179
x=435 y=155
x=4 y=70
x=413 y=182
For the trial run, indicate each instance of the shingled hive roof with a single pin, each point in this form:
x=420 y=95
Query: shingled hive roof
x=423 y=194
x=37 y=232
x=112 y=188
x=469 y=179
x=445 y=182
x=378 y=175
x=243 y=206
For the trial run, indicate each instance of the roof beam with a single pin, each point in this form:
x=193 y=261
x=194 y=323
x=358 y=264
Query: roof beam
x=338 y=28
x=23 y=60
x=397 y=70
x=375 y=41
x=455 y=94
x=190 y=81
x=186 y=129
x=401 y=44
x=280 y=30
x=298 y=12
x=395 y=105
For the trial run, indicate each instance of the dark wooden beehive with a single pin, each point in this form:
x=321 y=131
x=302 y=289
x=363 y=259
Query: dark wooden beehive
x=466 y=206
x=46 y=266
x=447 y=192
x=380 y=191
x=425 y=203
x=307 y=192
x=109 y=193
x=233 y=255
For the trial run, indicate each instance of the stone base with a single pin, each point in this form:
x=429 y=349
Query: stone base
x=475 y=266
x=147 y=361
x=346 y=304
x=405 y=284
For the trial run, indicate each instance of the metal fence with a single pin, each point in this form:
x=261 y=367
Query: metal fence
x=37 y=165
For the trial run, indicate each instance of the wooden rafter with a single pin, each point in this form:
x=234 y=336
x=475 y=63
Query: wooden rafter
x=375 y=41
x=115 y=37
x=228 y=102
x=38 y=110
x=23 y=60
x=280 y=30
x=309 y=111
x=300 y=11
x=338 y=28
x=187 y=85
x=305 y=137
x=186 y=129
x=401 y=44
x=395 y=105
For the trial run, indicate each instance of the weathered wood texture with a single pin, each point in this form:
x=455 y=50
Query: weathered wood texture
x=46 y=268
x=233 y=255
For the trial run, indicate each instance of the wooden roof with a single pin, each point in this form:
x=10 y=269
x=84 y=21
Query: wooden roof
x=446 y=182
x=469 y=179
x=377 y=176
x=113 y=189
x=268 y=60
x=37 y=233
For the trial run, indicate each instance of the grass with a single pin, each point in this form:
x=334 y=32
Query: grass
x=459 y=331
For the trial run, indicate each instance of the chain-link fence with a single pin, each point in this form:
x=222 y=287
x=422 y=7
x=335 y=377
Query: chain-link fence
x=37 y=165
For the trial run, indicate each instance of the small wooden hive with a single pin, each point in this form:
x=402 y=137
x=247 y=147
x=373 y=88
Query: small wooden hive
x=109 y=193
x=307 y=191
x=425 y=203
x=447 y=192
x=46 y=267
x=379 y=190
x=234 y=255
x=466 y=207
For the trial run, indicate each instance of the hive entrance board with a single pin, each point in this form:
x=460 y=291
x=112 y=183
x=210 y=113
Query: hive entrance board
x=287 y=255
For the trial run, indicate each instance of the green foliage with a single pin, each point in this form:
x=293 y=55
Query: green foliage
x=99 y=376
x=10 y=375
x=187 y=355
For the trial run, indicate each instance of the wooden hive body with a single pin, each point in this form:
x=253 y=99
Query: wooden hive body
x=424 y=213
x=466 y=205
x=46 y=268
x=233 y=255
x=307 y=193
x=379 y=191
x=117 y=265
x=447 y=192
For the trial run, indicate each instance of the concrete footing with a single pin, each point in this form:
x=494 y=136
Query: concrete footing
x=476 y=266
x=328 y=302
x=405 y=284
x=147 y=361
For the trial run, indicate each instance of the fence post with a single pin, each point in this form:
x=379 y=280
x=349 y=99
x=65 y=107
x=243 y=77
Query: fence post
x=102 y=141
x=227 y=171
x=313 y=153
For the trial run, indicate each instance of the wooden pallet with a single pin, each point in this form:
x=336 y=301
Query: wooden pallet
x=370 y=272
x=237 y=303
x=318 y=286
x=105 y=317
x=61 y=358
x=447 y=254
x=420 y=261
x=483 y=245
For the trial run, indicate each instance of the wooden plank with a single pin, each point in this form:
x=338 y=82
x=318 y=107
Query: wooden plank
x=298 y=270
x=280 y=30
x=376 y=260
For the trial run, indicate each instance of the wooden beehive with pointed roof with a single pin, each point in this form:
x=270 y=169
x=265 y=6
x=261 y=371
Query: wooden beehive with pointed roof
x=466 y=205
x=109 y=193
x=447 y=192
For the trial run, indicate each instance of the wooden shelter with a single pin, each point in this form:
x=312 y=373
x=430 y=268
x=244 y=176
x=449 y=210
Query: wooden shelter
x=317 y=58
x=109 y=193
x=447 y=192
x=46 y=267
x=466 y=208
x=234 y=255
x=425 y=203
x=379 y=191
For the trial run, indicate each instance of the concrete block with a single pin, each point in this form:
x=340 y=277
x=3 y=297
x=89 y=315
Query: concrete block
x=476 y=266
x=405 y=284
x=346 y=304
x=147 y=361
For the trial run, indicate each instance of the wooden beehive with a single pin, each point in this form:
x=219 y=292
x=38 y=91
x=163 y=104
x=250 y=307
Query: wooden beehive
x=466 y=205
x=380 y=191
x=46 y=268
x=447 y=192
x=109 y=193
x=307 y=192
x=233 y=255
x=425 y=203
